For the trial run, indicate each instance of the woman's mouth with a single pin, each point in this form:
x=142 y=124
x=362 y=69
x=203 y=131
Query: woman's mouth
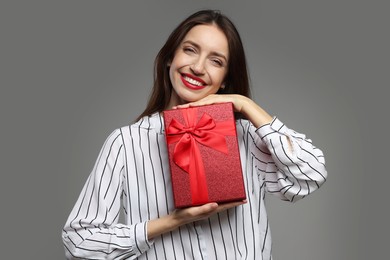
x=192 y=82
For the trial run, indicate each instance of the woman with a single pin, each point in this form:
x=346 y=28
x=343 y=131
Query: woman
x=202 y=62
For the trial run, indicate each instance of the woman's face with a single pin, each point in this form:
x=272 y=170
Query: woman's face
x=199 y=65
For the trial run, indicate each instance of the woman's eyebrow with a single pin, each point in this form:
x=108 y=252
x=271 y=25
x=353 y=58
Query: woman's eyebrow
x=214 y=53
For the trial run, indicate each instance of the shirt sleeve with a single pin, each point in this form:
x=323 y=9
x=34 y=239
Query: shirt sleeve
x=92 y=230
x=297 y=167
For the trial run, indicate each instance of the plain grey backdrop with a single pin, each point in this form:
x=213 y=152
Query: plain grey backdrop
x=72 y=71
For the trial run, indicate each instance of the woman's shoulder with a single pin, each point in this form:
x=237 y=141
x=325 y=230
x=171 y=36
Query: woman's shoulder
x=153 y=122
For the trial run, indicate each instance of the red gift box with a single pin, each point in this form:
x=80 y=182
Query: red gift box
x=203 y=155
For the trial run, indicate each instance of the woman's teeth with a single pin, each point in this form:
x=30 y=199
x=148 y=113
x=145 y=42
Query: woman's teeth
x=193 y=81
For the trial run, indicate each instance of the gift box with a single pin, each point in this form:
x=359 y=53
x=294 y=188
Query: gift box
x=204 y=158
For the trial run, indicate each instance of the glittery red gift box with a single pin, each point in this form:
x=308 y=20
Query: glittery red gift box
x=204 y=157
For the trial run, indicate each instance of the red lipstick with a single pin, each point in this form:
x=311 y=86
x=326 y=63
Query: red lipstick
x=190 y=85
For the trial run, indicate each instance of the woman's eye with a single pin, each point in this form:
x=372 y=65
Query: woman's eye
x=189 y=49
x=217 y=62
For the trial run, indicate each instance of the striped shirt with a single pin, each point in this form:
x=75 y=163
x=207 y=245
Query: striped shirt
x=131 y=175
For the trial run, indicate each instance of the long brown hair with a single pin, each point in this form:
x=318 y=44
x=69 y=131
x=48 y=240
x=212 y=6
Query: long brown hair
x=236 y=80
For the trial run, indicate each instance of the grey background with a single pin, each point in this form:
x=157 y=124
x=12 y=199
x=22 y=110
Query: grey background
x=72 y=71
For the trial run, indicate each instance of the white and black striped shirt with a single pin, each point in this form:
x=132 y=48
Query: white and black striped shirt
x=132 y=172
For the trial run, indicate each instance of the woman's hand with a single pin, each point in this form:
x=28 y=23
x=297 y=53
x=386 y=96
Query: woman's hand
x=191 y=214
x=184 y=216
x=241 y=104
x=237 y=100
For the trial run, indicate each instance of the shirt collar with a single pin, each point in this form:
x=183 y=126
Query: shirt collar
x=153 y=122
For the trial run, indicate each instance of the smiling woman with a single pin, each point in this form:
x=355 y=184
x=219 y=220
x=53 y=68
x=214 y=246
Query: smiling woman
x=236 y=80
x=202 y=63
x=199 y=65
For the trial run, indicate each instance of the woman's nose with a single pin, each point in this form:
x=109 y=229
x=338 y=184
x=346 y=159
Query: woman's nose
x=198 y=67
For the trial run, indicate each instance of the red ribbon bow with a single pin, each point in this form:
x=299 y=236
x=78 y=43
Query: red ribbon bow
x=186 y=152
